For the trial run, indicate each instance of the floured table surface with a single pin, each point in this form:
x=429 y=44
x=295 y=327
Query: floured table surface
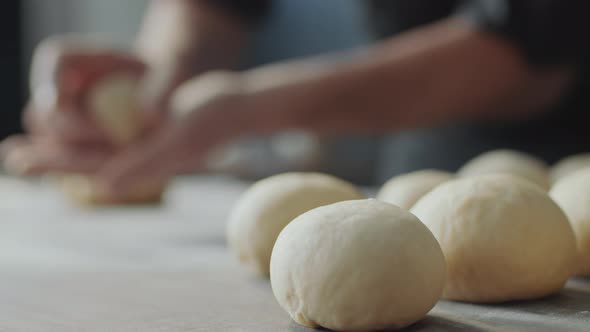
x=167 y=269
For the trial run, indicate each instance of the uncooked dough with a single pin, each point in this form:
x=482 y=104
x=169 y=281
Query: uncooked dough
x=405 y=190
x=508 y=162
x=84 y=190
x=503 y=237
x=572 y=193
x=268 y=206
x=569 y=165
x=357 y=266
x=111 y=101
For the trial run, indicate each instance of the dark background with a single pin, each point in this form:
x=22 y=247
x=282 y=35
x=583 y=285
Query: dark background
x=11 y=83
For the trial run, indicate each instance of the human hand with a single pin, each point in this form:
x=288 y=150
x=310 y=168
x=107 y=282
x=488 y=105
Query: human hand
x=206 y=112
x=64 y=131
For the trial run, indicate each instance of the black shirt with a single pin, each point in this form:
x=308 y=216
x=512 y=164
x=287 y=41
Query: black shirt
x=548 y=32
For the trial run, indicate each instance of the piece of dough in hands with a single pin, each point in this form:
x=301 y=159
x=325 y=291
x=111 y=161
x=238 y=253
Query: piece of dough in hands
x=112 y=101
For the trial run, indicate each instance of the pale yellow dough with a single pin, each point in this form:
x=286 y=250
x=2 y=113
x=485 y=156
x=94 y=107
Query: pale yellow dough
x=83 y=190
x=113 y=103
x=508 y=162
x=569 y=165
x=572 y=193
x=360 y=265
x=269 y=205
x=503 y=237
x=405 y=190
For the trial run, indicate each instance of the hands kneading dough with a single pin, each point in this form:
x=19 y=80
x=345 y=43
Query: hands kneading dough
x=111 y=100
x=268 y=206
x=503 y=237
x=113 y=103
x=357 y=266
x=405 y=190
x=572 y=193
x=508 y=162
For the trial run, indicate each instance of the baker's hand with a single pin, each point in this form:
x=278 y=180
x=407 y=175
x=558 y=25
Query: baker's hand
x=61 y=133
x=206 y=112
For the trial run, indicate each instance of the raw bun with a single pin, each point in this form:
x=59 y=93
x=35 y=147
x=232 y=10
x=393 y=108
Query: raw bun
x=268 y=206
x=357 y=266
x=508 y=162
x=569 y=165
x=405 y=190
x=504 y=238
x=572 y=193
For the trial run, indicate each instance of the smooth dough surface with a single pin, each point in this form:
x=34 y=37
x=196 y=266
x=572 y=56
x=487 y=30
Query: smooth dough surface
x=569 y=165
x=504 y=238
x=572 y=193
x=405 y=190
x=269 y=205
x=357 y=266
x=113 y=103
x=508 y=162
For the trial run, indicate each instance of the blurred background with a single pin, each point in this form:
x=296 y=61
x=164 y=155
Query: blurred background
x=292 y=30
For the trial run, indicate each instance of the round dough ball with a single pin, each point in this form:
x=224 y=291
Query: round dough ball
x=508 y=162
x=357 y=266
x=405 y=190
x=268 y=206
x=569 y=165
x=572 y=193
x=503 y=237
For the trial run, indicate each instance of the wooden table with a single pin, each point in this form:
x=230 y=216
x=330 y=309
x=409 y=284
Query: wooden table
x=167 y=269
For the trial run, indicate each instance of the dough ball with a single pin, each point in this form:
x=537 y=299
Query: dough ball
x=83 y=190
x=572 y=193
x=357 y=266
x=113 y=103
x=569 y=165
x=405 y=190
x=508 y=162
x=268 y=206
x=503 y=237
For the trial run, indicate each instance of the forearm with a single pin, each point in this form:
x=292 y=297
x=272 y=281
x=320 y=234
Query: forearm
x=449 y=71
